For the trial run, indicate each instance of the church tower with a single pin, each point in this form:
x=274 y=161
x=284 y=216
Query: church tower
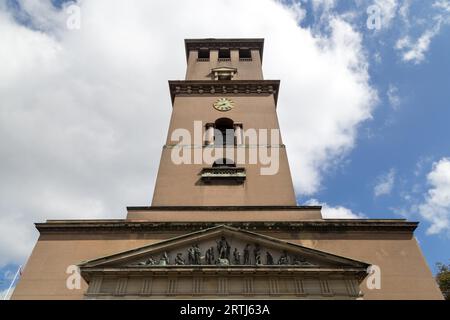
x=225 y=105
x=224 y=222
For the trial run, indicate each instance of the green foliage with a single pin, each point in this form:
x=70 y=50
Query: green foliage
x=443 y=279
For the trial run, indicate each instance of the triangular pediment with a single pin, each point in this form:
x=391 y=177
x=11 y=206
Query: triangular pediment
x=223 y=246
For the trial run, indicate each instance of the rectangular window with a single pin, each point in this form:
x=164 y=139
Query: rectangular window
x=224 y=55
x=203 y=55
x=245 y=55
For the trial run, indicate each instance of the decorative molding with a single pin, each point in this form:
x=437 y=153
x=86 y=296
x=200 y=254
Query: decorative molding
x=95 y=285
x=121 y=286
x=224 y=87
x=256 y=285
x=147 y=286
x=227 y=173
x=248 y=286
x=325 y=288
x=172 y=286
x=226 y=208
x=273 y=286
x=352 y=287
x=197 y=285
x=239 y=146
x=299 y=288
x=323 y=226
x=222 y=287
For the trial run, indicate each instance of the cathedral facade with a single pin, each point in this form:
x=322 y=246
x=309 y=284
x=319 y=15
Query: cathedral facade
x=224 y=221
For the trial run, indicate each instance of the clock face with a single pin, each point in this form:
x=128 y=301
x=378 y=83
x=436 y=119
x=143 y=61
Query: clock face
x=223 y=104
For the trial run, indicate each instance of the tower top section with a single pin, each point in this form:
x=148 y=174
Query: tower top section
x=224 y=59
x=228 y=43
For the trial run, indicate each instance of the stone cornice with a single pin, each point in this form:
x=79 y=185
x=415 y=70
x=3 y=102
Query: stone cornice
x=215 y=44
x=222 y=208
x=323 y=226
x=223 y=88
x=89 y=272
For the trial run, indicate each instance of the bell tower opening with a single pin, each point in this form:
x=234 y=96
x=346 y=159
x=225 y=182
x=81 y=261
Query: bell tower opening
x=224 y=132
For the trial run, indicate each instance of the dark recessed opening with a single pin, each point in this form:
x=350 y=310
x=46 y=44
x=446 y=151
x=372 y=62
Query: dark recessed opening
x=245 y=54
x=224 y=54
x=203 y=54
x=224 y=77
x=224 y=132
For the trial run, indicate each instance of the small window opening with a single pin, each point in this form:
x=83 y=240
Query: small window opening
x=245 y=54
x=203 y=54
x=224 y=54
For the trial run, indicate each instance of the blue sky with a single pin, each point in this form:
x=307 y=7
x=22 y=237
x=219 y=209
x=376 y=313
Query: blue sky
x=400 y=138
x=396 y=149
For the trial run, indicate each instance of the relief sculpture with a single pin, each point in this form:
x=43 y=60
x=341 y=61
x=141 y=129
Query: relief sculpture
x=220 y=255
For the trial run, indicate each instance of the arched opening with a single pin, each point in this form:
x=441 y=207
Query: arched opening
x=224 y=162
x=224 y=132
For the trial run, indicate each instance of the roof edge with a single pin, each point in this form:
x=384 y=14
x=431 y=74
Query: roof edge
x=216 y=43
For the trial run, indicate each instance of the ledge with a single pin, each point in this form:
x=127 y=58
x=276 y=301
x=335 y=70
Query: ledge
x=222 y=208
x=263 y=271
x=127 y=226
x=224 y=87
x=215 y=44
x=223 y=173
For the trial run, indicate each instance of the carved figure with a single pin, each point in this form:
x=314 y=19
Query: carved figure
x=236 y=256
x=164 y=259
x=179 y=259
x=247 y=254
x=147 y=262
x=209 y=256
x=269 y=258
x=257 y=254
x=223 y=247
x=284 y=259
x=191 y=258
x=197 y=254
x=301 y=261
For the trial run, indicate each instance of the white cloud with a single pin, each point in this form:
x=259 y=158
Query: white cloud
x=84 y=113
x=324 y=4
x=324 y=126
x=4 y=295
x=404 y=12
x=388 y=12
x=338 y=212
x=385 y=184
x=393 y=97
x=421 y=164
x=442 y=4
x=415 y=50
x=297 y=11
x=436 y=206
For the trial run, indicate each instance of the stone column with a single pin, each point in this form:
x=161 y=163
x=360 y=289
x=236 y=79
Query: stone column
x=209 y=134
x=238 y=133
